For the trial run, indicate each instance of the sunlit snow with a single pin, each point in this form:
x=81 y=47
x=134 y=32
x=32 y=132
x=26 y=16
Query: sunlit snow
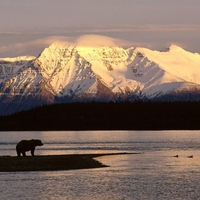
x=76 y=68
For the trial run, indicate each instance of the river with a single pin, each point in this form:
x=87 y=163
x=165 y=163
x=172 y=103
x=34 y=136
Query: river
x=153 y=174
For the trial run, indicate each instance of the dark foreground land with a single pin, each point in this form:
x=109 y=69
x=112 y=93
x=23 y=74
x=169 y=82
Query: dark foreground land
x=51 y=162
x=106 y=116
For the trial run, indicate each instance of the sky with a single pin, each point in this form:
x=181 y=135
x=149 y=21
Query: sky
x=28 y=26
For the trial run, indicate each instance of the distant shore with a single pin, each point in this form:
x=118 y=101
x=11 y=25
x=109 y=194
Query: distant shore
x=51 y=162
x=106 y=116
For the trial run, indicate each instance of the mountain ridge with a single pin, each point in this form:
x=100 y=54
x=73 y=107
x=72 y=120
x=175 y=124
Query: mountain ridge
x=65 y=72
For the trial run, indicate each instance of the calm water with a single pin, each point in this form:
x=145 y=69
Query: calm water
x=154 y=174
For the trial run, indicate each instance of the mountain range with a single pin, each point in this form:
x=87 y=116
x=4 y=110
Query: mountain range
x=66 y=72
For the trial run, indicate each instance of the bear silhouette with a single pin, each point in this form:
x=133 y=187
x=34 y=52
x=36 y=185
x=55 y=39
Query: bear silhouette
x=27 y=145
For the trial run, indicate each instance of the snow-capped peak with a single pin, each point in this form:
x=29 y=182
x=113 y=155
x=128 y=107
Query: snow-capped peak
x=19 y=58
x=174 y=47
x=9 y=67
x=116 y=66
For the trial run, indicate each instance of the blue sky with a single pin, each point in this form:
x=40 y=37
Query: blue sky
x=27 y=26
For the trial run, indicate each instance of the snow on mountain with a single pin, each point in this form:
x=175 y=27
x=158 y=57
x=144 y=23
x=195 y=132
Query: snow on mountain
x=74 y=70
x=110 y=64
x=177 y=61
x=165 y=71
x=10 y=66
x=68 y=71
x=64 y=70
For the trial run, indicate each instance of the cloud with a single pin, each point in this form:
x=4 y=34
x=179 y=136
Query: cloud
x=71 y=31
x=128 y=28
x=34 y=47
x=145 y=28
x=32 y=42
x=99 y=41
x=21 y=48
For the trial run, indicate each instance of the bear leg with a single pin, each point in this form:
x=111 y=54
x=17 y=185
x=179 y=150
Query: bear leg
x=18 y=153
x=32 y=151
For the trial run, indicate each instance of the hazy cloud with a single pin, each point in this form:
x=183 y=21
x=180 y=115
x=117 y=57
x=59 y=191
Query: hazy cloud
x=36 y=46
x=14 y=43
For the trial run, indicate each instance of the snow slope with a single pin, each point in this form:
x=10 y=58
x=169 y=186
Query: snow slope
x=165 y=71
x=10 y=66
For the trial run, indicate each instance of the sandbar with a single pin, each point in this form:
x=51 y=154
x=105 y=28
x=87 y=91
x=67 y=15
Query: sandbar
x=51 y=162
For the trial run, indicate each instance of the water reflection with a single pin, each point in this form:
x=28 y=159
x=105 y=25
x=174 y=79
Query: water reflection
x=153 y=174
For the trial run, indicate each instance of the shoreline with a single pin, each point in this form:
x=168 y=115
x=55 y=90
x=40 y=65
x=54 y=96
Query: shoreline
x=106 y=116
x=52 y=162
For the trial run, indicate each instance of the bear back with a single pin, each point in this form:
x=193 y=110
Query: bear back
x=26 y=145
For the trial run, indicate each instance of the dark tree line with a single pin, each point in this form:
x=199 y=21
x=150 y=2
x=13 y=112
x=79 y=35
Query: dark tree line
x=106 y=116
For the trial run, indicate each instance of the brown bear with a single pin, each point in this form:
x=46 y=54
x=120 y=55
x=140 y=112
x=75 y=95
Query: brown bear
x=27 y=145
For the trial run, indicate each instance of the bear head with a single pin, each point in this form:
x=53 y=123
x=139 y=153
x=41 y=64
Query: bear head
x=37 y=142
